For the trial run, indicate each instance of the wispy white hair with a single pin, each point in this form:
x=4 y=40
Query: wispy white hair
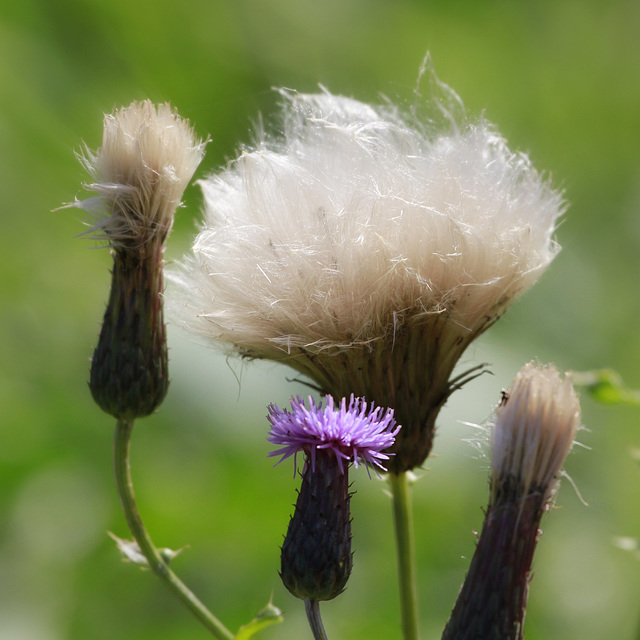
x=357 y=218
x=148 y=156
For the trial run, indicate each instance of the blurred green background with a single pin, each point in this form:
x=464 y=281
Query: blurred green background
x=561 y=81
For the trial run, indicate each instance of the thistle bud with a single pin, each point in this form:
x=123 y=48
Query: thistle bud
x=316 y=555
x=535 y=426
x=147 y=157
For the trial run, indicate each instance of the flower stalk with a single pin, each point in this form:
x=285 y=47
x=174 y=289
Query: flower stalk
x=124 y=483
x=405 y=551
x=312 y=609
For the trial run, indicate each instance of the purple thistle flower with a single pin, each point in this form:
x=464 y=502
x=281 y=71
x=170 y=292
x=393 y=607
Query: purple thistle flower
x=316 y=557
x=354 y=432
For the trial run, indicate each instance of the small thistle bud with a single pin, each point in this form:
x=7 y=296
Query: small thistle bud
x=367 y=248
x=147 y=157
x=535 y=426
x=316 y=556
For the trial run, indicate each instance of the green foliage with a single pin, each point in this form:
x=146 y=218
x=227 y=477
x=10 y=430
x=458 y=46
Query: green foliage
x=560 y=79
x=606 y=386
x=266 y=617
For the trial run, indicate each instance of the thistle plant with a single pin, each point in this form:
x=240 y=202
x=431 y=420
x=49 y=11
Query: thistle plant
x=534 y=430
x=148 y=156
x=366 y=248
x=316 y=554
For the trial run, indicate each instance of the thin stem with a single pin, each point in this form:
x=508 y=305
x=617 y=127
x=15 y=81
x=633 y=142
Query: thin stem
x=405 y=552
x=148 y=549
x=312 y=608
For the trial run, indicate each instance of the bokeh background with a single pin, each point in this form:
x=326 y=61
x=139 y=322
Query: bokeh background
x=561 y=81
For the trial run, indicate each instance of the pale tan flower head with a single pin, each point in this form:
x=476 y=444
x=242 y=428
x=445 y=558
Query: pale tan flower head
x=148 y=156
x=535 y=428
x=366 y=248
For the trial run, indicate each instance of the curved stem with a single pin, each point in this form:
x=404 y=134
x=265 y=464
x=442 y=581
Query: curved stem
x=405 y=551
x=156 y=563
x=312 y=608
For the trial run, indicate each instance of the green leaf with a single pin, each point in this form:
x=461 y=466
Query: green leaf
x=606 y=386
x=265 y=618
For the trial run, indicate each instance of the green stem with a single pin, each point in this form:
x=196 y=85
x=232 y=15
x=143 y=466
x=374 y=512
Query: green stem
x=405 y=551
x=148 y=549
x=312 y=608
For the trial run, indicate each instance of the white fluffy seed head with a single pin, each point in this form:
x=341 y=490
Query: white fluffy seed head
x=535 y=427
x=148 y=156
x=357 y=220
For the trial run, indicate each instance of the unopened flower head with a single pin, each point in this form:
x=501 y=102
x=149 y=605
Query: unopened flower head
x=350 y=431
x=316 y=557
x=148 y=156
x=366 y=248
x=535 y=427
